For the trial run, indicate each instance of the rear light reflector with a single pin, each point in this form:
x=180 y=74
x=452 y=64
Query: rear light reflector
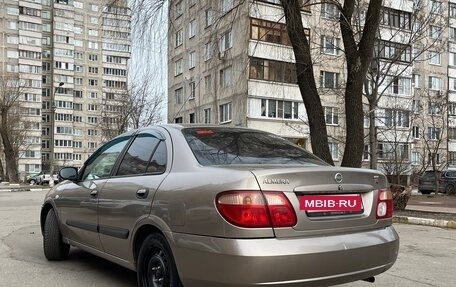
x=280 y=209
x=253 y=209
x=384 y=204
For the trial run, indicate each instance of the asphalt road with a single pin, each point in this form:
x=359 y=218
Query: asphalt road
x=427 y=255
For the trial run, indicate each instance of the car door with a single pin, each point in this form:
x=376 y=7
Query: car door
x=127 y=196
x=78 y=202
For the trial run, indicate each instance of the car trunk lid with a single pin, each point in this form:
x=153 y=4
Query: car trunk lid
x=350 y=196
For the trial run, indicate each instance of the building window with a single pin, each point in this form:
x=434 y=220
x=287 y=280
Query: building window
x=274 y=71
x=207 y=116
x=452 y=59
x=178 y=120
x=416 y=81
x=389 y=150
x=433 y=158
x=271 y=32
x=329 y=11
x=415 y=132
x=178 y=67
x=396 y=18
x=179 y=9
x=192 y=29
x=397 y=118
x=191 y=118
x=452 y=133
x=225 y=113
x=227 y=5
x=178 y=38
x=434 y=83
x=452 y=84
x=433 y=133
x=178 y=96
x=397 y=86
x=452 y=36
x=209 y=17
x=226 y=41
x=192 y=60
x=192 y=88
x=452 y=109
x=225 y=77
x=334 y=149
x=329 y=80
x=434 y=32
x=434 y=58
x=207 y=51
x=435 y=7
x=452 y=8
x=416 y=158
x=393 y=51
x=329 y=45
x=279 y=109
x=331 y=116
x=435 y=108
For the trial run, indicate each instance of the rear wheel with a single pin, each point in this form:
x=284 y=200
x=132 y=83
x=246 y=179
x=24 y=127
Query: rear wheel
x=156 y=267
x=450 y=189
x=32 y=181
x=54 y=247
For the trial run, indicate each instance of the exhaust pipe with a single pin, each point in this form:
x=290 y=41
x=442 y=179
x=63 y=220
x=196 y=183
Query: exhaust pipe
x=370 y=279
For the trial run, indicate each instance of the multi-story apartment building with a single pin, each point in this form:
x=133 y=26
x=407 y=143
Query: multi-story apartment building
x=231 y=62
x=72 y=57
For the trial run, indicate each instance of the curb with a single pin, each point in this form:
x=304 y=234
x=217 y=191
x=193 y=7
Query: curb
x=425 y=221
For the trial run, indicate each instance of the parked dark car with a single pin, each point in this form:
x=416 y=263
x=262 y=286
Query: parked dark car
x=427 y=181
x=32 y=179
x=217 y=206
x=448 y=181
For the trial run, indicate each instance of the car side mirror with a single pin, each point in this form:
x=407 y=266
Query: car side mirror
x=70 y=173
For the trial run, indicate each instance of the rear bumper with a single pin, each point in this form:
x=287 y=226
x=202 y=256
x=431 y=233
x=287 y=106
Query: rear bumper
x=291 y=262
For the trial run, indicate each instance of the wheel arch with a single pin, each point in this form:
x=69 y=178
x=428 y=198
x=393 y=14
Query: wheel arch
x=140 y=236
x=44 y=211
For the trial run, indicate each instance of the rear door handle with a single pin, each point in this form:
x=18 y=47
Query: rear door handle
x=142 y=193
x=94 y=193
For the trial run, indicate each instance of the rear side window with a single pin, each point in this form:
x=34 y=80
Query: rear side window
x=138 y=155
x=231 y=146
x=451 y=173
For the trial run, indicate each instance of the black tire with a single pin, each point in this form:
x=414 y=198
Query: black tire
x=450 y=189
x=156 y=267
x=425 y=191
x=53 y=246
x=32 y=182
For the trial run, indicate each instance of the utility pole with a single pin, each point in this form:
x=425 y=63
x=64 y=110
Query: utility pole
x=51 y=143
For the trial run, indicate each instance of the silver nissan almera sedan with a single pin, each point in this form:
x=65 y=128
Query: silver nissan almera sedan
x=213 y=206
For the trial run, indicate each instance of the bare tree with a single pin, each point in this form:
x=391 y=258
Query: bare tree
x=433 y=123
x=11 y=128
x=138 y=106
x=389 y=72
x=358 y=55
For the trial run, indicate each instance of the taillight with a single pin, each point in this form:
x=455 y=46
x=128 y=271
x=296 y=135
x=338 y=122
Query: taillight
x=384 y=204
x=253 y=209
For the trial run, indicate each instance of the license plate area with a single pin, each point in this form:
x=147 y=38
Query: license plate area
x=331 y=204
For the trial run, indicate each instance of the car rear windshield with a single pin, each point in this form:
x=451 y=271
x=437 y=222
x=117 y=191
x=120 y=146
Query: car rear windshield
x=231 y=146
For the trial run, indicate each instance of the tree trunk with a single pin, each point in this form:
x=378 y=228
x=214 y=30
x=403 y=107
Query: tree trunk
x=372 y=135
x=358 y=59
x=10 y=155
x=306 y=80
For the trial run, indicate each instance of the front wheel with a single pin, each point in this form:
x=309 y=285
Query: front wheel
x=54 y=247
x=156 y=267
x=450 y=189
